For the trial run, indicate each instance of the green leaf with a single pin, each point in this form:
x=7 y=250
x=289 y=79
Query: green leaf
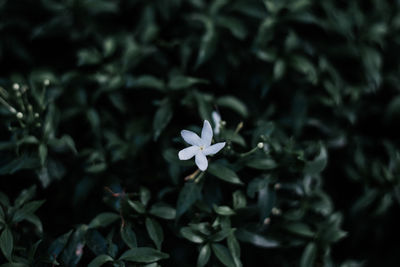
x=239 y=200
x=162 y=117
x=234 y=249
x=188 y=195
x=208 y=42
x=14 y=264
x=145 y=195
x=204 y=255
x=279 y=69
x=163 y=211
x=235 y=26
x=155 y=232
x=192 y=235
x=256 y=239
x=129 y=236
x=299 y=229
x=100 y=260
x=262 y=164
x=28 y=209
x=223 y=210
x=266 y=201
x=7 y=243
x=309 y=255
x=143 y=255
x=147 y=81
x=25 y=196
x=42 y=153
x=180 y=82
x=220 y=235
x=32 y=218
x=318 y=164
x=234 y=104
x=104 y=219
x=224 y=173
x=223 y=255
x=137 y=206
x=24 y=162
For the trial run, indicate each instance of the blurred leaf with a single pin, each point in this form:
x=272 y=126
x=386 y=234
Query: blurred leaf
x=7 y=243
x=103 y=220
x=155 y=232
x=224 y=173
x=192 y=235
x=162 y=117
x=234 y=104
x=28 y=209
x=100 y=260
x=299 y=229
x=234 y=249
x=239 y=200
x=256 y=239
x=163 y=211
x=309 y=255
x=204 y=255
x=188 y=195
x=178 y=82
x=318 y=164
x=143 y=255
x=128 y=236
x=223 y=255
x=223 y=210
x=261 y=163
x=21 y=163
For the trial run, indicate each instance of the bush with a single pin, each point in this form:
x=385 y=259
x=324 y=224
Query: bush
x=94 y=95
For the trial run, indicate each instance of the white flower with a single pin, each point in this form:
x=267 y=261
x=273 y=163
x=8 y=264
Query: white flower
x=217 y=121
x=200 y=147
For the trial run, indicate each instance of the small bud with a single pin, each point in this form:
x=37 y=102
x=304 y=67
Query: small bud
x=36 y=115
x=30 y=108
x=18 y=94
x=16 y=86
x=12 y=110
x=267 y=221
x=276 y=211
x=260 y=145
x=46 y=82
x=20 y=115
x=223 y=123
x=277 y=186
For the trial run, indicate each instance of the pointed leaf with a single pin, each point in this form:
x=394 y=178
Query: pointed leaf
x=103 y=220
x=188 y=195
x=204 y=255
x=224 y=173
x=309 y=255
x=100 y=260
x=155 y=232
x=7 y=243
x=223 y=255
x=143 y=255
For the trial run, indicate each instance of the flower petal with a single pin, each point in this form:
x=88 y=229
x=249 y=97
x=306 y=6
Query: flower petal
x=211 y=150
x=201 y=161
x=206 y=133
x=188 y=153
x=191 y=138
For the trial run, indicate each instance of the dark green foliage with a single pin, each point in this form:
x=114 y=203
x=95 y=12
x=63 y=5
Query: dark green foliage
x=94 y=95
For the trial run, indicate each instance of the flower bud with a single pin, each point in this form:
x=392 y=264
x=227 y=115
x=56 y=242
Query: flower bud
x=20 y=115
x=260 y=145
x=16 y=86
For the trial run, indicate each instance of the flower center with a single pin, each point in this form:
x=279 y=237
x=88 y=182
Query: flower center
x=201 y=147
